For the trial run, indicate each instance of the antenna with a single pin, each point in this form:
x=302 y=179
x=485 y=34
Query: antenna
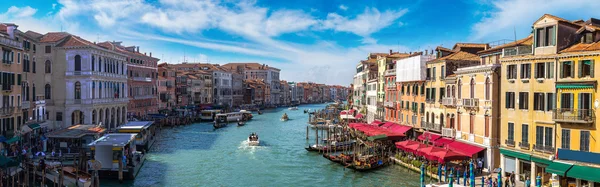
x=515 y=30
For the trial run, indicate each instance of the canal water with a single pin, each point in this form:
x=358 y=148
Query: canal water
x=198 y=155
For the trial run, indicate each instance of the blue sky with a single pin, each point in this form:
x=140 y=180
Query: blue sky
x=310 y=40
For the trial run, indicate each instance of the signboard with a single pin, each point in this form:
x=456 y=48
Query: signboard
x=63 y=144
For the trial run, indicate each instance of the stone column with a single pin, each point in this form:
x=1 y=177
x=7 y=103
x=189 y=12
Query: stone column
x=517 y=168
x=533 y=174
x=502 y=165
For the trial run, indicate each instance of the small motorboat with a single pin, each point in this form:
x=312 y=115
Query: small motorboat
x=305 y=111
x=253 y=139
x=241 y=123
x=293 y=108
x=259 y=112
x=284 y=117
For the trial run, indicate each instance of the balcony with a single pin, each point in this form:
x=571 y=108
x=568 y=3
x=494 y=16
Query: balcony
x=449 y=101
x=7 y=88
x=7 y=111
x=95 y=101
x=390 y=72
x=95 y=73
x=524 y=145
x=144 y=96
x=470 y=102
x=570 y=115
x=431 y=126
x=448 y=132
x=40 y=102
x=510 y=143
x=543 y=148
x=518 y=50
x=142 y=79
x=25 y=104
x=11 y=43
x=389 y=104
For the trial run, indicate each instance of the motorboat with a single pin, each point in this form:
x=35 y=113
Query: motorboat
x=242 y=115
x=253 y=139
x=241 y=123
x=284 y=117
x=293 y=108
x=209 y=115
x=259 y=112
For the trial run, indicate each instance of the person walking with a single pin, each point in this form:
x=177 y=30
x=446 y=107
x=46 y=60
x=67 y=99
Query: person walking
x=480 y=165
x=512 y=179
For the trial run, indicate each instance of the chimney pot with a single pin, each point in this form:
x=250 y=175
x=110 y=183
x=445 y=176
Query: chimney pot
x=390 y=52
x=150 y=54
x=138 y=49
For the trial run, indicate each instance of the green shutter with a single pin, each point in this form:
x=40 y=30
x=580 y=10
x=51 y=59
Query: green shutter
x=560 y=67
x=592 y=68
x=580 y=64
x=571 y=95
x=19 y=79
x=535 y=71
x=573 y=70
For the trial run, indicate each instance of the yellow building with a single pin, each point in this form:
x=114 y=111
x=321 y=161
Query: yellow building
x=555 y=69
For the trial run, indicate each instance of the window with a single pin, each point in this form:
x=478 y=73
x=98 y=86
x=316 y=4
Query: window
x=587 y=37
x=422 y=89
x=77 y=90
x=48 y=49
x=93 y=63
x=487 y=89
x=548 y=136
x=540 y=70
x=19 y=58
x=586 y=68
x=549 y=70
x=511 y=131
x=47 y=66
x=443 y=75
x=59 y=116
x=433 y=72
x=545 y=36
x=511 y=72
x=566 y=69
x=539 y=136
x=33 y=66
x=77 y=63
x=523 y=100
x=525 y=133
x=538 y=101
x=565 y=139
x=510 y=100
x=525 y=71
x=459 y=89
x=47 y=91
x=472 y=88
x=566 y=101
x=550 y=101
x=429 y=73
x=584 y=141
x=442 y=92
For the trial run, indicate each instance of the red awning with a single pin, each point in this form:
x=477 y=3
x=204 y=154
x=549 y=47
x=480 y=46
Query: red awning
x=388 y=124
x=358 y=116
x=445 y=155
x=429 y=136
x=414 y=147
x=402 y=129
x=343 y=112
x=402 y=145
x=442 y=142
x=376 y=122
x=464 y=148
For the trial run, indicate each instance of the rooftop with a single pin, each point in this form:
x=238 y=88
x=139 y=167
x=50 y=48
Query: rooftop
x=114 y=139
x=77 y=131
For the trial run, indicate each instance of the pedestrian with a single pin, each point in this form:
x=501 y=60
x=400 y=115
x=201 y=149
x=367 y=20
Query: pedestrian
x=480 y=165
x=527 y=182
x=512 y=179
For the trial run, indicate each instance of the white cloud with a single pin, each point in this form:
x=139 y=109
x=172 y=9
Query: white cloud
x=343 y=7
x=365 y=24
x=520 y=14
x=53 y=6
x=14 y=12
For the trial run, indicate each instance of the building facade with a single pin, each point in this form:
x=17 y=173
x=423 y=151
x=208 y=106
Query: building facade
x=13 y=50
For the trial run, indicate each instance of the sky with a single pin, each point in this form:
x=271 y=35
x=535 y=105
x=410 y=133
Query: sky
x=309 y=40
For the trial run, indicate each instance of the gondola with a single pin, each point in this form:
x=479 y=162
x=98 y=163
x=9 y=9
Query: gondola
x=322 y=148
x=371 y=166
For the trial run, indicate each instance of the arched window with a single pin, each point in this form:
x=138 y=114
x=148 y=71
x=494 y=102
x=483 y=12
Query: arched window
x=77 y=63
x=432 y=118
x=442 y=120
x=48 y=66
x=472 y=88
x=487 y=88
x=47 y=91
x=93 y=63
x=93 y=116
x=99 y=64
x=448 y=91
x=77 y=90
x=427 y=117
x=99 y=89
x=459 y=89
x=423 y=89
x=93 y=90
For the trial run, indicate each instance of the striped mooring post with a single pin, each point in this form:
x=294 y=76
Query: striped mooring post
x=422 y=175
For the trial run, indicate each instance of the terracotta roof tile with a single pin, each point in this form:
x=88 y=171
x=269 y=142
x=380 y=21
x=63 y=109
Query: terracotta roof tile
x=74 y=41
x=440 y=48
x=522 y=42
x=53 y=36
x=582 y=47
x=33 y=34
x=470 y=45
x=460 y=56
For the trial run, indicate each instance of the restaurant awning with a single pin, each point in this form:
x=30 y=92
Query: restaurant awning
x=559 y=168
x=13 y=140
x=388 y=124
x=358 y=116
x=400 y=129
x=585 y=173
x=443 y=141
x=539 y=160
x=403 y=144
x=464 y=148
x=414 y=147
x=515 y=154
x=377 y=122
x=377 y=137
x=34 y=126
x=429 y=136
x=25 y=129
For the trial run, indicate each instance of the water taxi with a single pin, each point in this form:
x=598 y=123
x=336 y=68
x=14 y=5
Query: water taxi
x=253 y=140
x=284 y=117
x=117 y=155
x=146 y=133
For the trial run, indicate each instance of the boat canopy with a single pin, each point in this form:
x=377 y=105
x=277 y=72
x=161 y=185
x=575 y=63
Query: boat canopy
x=77 y=131
x=114 y=139
x=135 y=126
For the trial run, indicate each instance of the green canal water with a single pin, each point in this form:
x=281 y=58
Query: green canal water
x=198 y=155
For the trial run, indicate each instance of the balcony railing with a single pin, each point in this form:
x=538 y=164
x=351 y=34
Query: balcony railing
x=7 y=87
x=432 y=126
x=543 y=148
x=448 y=132
x=470 y=102
x=95 y=101
x=509 y=142
x=449 y=101
x=144 y=96
x=7 y=111
x=142 y=79
x=96 y=73
x=390 y=72
x=571 y=115
x=11 y=43
x=524 y=145
x=519 y=50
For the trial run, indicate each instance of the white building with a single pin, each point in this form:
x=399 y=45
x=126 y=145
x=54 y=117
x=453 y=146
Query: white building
x=84 y=83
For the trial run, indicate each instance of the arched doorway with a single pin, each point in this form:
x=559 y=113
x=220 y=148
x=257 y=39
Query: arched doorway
x=76 y=117
x=94 y=117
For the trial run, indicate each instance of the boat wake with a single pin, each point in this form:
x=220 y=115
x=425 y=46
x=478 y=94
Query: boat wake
x=251 y=149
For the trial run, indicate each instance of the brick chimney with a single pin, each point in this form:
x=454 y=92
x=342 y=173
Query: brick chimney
x=390 y=52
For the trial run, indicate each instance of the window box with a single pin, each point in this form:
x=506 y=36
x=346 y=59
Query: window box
x=525 y=80
x=540 y=80
x=511 y=80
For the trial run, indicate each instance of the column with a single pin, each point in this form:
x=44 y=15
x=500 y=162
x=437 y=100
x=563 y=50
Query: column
x=502 y=165
x=533 y=174
x=578 y=182
x=517 y=168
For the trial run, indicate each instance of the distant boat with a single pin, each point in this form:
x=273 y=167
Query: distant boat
x=253 y=140
x=284 y=117
x=241 y=123
x=259 y=112
x=293 y=108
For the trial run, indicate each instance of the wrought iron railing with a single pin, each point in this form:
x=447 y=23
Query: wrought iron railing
x=524 y=145
x=470 y=102
x=509 y=142
x=574 y=115
x=448 y=132
x=449 y=101
x=543 y=148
